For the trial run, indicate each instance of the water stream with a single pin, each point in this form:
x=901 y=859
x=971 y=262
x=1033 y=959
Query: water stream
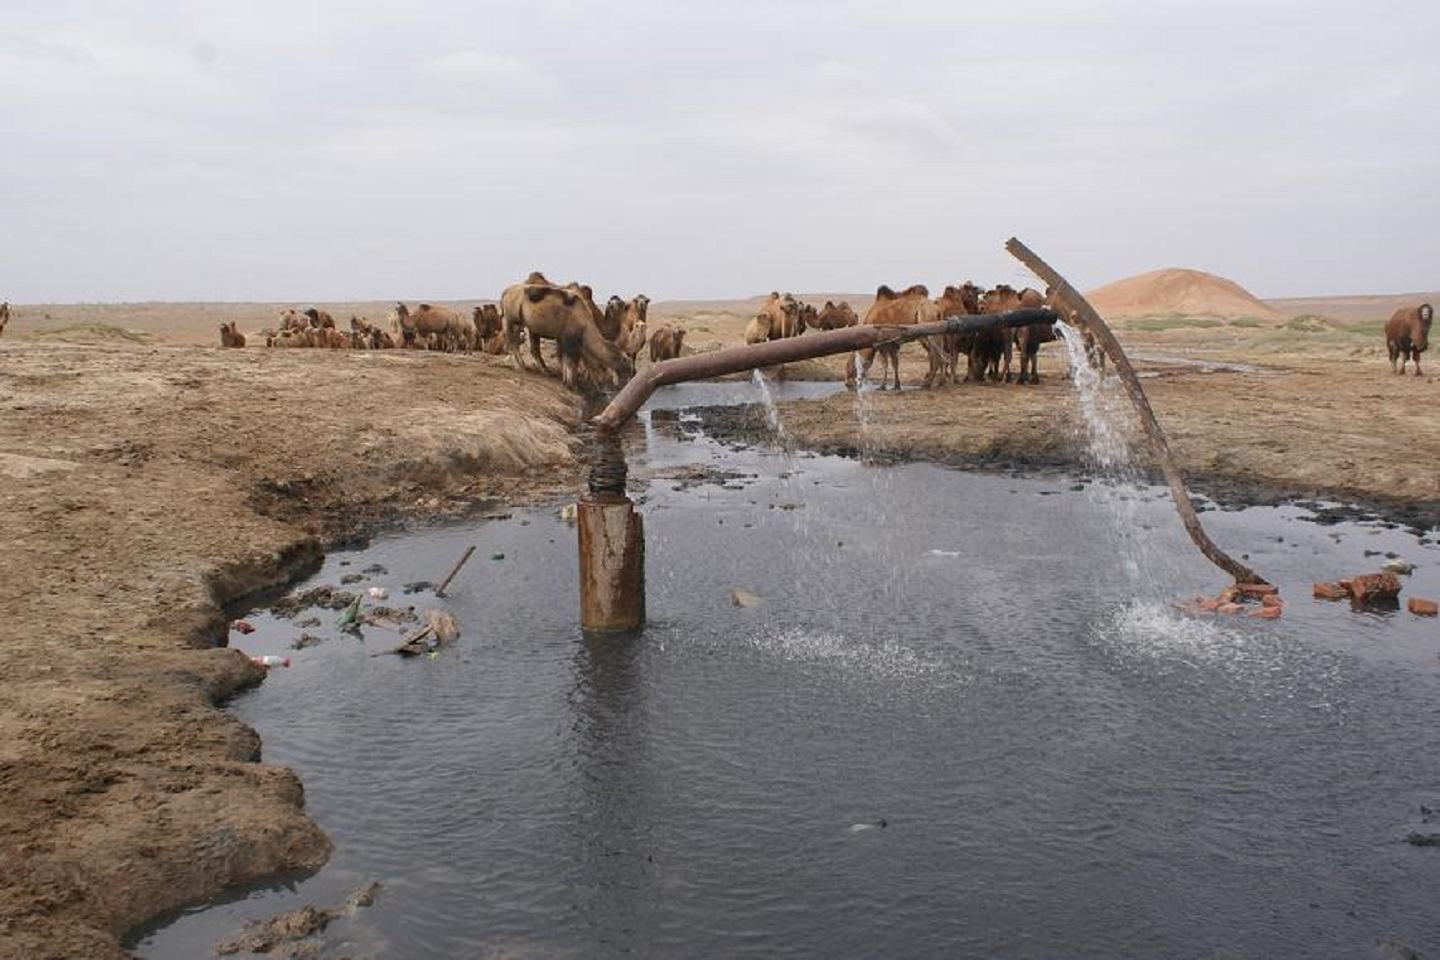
x=1062 y=766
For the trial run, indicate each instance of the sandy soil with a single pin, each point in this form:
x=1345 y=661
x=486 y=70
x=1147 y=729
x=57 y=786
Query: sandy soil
x=144 y=490
x=148 y=485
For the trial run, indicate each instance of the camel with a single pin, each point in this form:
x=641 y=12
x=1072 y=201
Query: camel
x=757 y=330
x=4 y=315
x=1407 y=335
x=835 y=316
x=892 y=309
x=319 y=319
x=782 y=315
x=961 y=301
x=1027 y=339
x=546 y=312
x=805 y=317
x=628 y=321
x=489 y=329
x=230 y=336
x=439 y=328
x=666 y=343
x=1002 y=299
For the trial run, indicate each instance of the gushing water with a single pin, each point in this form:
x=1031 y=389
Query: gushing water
x=1121 y=490
x=772 y=413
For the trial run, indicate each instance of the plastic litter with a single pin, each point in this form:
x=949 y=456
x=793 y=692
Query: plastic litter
x=242 y=626
x=270 y=660
x=350 y=618
x=377 y=593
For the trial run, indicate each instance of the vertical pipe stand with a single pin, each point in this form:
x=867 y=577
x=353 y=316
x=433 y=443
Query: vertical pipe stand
x=611 y=535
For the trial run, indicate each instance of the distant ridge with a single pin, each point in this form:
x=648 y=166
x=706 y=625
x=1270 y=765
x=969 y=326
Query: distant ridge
x=1177 y=290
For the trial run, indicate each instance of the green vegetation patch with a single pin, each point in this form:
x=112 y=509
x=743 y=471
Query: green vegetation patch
x=89 y=331
x=1173 y=321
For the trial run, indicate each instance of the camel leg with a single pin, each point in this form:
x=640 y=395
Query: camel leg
x=1404 y=359
x=1394 y=355
x=535 y=352
x=1417 y=363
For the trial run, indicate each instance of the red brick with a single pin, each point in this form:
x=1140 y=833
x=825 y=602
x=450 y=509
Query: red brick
x=1266 y=613
x=1422 y=607
x=1330 y=591
x=1372 y=587
x=1255 y=589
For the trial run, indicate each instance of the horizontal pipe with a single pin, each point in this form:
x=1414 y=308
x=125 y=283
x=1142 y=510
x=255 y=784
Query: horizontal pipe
x=718 y=363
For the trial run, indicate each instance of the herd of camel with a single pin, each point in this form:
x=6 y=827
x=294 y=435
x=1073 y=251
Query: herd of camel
x=602 y=346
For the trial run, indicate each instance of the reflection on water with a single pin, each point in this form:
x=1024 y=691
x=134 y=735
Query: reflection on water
x=1063 y=767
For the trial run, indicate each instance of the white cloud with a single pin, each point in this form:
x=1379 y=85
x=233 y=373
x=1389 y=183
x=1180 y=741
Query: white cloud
x=707 y=149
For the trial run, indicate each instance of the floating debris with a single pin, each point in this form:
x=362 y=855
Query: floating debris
x=350 y=619
x=298 y=928
x=744 y=598
x=242 y=626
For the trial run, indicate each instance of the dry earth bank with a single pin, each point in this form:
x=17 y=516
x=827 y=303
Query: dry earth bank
x=144 y=489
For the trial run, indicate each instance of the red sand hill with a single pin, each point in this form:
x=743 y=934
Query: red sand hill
x=1175 y=290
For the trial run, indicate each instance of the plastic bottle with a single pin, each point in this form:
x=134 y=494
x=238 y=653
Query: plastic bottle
x=270 y=660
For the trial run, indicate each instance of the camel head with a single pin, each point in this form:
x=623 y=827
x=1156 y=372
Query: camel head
x=1425 y=314
x=642 y=304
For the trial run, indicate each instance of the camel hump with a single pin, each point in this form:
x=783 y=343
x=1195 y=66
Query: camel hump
x=537 y=277
x=884 y=293
x=917 y=290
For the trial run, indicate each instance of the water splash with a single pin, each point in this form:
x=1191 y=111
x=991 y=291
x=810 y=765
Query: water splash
x=772 y=412
x=1121 y=490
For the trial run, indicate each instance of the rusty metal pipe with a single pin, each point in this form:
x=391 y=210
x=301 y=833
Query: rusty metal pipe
x=717 y=363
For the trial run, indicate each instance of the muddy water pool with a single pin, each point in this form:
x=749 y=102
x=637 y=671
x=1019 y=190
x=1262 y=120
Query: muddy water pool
x=960 y=721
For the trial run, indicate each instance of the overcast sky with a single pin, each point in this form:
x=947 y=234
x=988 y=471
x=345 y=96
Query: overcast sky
x=355 y=150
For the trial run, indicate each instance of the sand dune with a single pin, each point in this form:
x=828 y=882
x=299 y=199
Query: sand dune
x=1179 y=291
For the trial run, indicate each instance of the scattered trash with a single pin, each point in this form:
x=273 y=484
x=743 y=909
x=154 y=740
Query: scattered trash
x=350 y=619
x=444 y=625
x=242 y=626
x=882 y=823
x=945 y=553
x=417 y=586
x=297 y=927
x=744 y=598
x=440 y=629
x=1422 y=607
x=440 y=590
x=1399 y=566
x=497 y=556
x=308 y=622
x=376 y=568
x=1423 y=839
x=270 y=660
x=350 y=578
x=569 y=512
x=306 y=640
x=377 y=593
x=393 y=615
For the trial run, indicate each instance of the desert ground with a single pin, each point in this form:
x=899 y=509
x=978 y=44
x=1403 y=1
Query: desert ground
x=153 y=481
